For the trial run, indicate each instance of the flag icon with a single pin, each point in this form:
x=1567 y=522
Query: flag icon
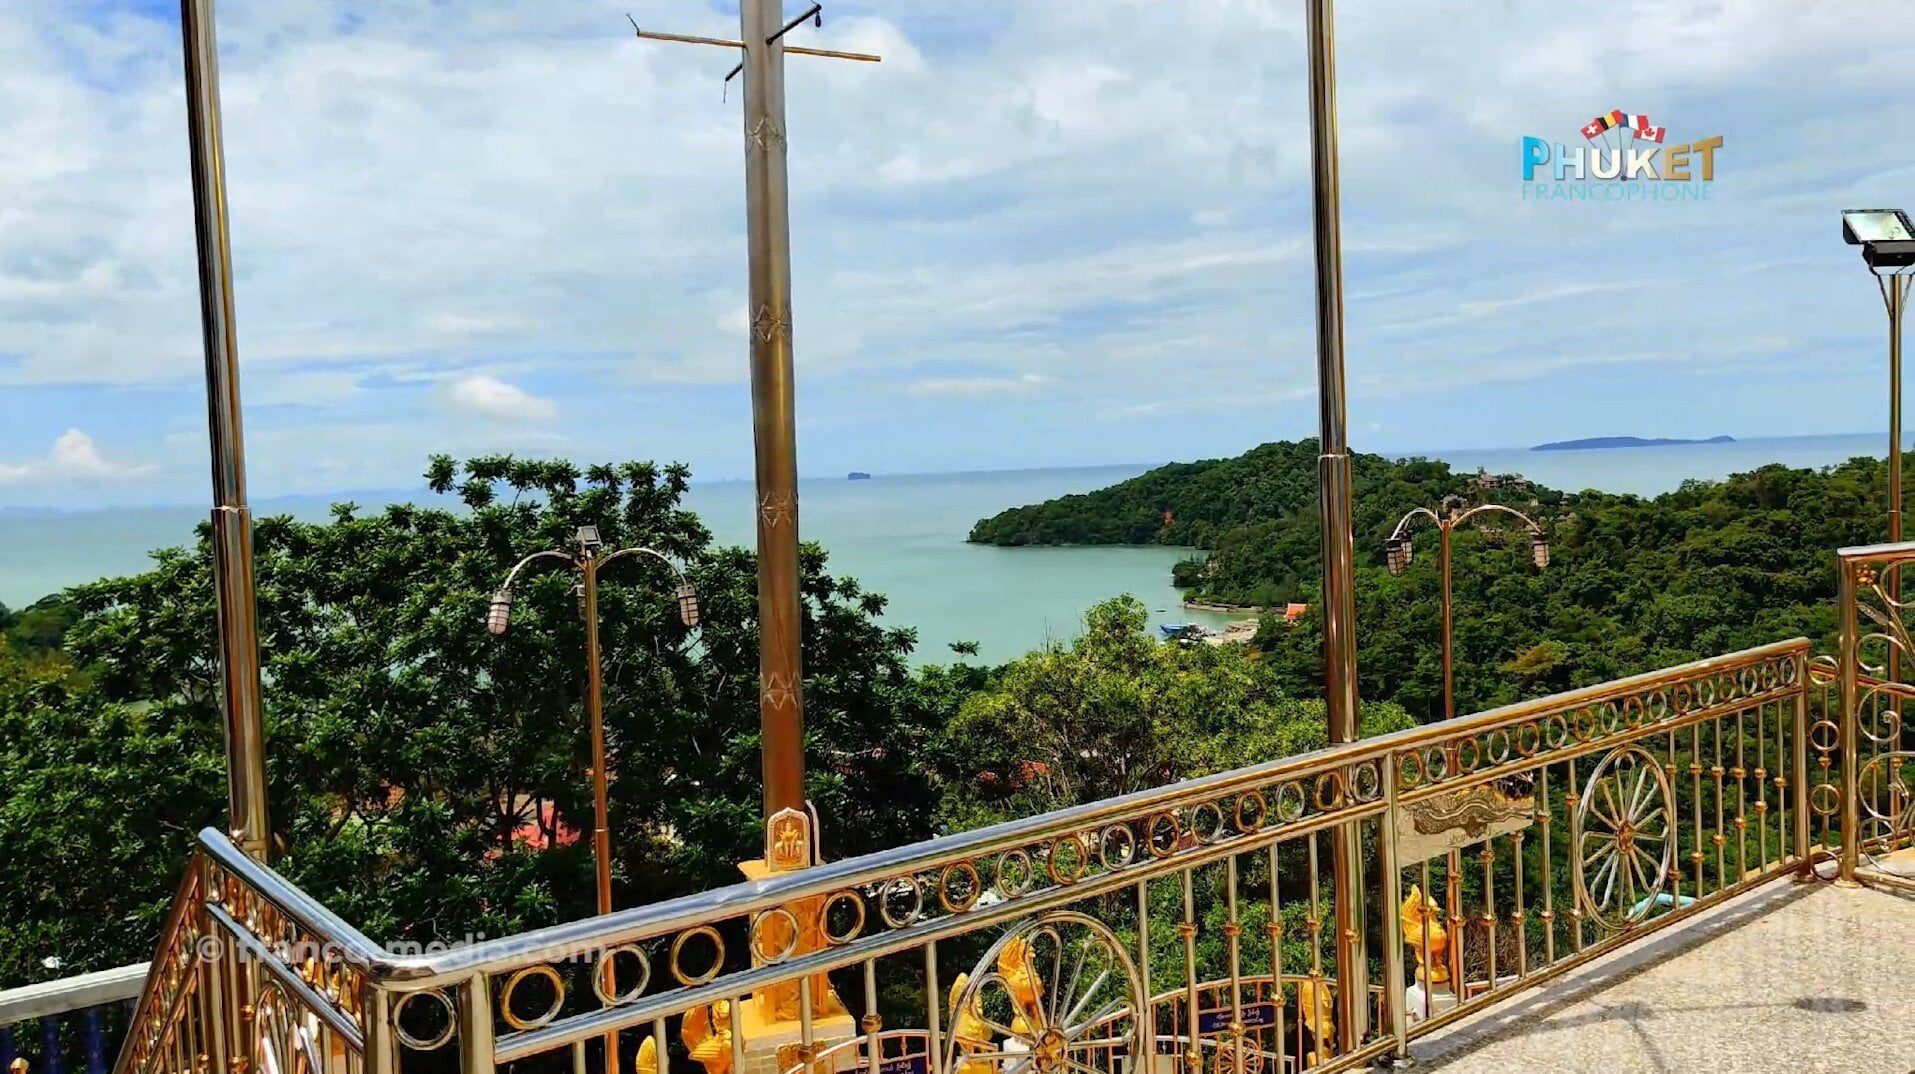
x=1654 y=134
x=1619 y=118
x=1593 y=129
x=1604 y=121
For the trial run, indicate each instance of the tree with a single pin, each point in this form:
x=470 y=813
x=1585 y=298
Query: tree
x=1115 y=712
x=426 y=778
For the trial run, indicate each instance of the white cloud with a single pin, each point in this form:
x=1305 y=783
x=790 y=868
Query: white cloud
x=425 y=194
x=1027 y=384
x=73 y=457
x=490 y=397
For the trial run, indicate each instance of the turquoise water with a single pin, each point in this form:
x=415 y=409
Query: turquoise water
x=903 y=536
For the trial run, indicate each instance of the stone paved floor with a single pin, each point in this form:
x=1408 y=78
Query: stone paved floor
x=1788 y=978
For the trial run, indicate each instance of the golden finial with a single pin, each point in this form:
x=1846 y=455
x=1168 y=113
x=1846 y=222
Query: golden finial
x=707 y=1035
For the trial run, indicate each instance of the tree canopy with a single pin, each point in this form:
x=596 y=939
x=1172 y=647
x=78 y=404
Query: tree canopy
x=426 y=778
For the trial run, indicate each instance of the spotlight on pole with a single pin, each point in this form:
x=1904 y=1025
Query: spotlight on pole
x=589 y=540
x=687 y=604
x=500 y=615
x=1539 y=550
x=1397 y=554
x=1886 y=237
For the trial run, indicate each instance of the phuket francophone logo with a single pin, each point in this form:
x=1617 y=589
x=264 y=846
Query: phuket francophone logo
x=1625 y=158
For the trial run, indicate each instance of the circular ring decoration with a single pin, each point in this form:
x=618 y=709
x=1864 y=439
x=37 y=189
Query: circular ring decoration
x=1079 y=860
x=1014 y=879
x=1121 y=835
x=512 y=983
x=1250 y=822
x=1197 y=825
x=1290 y=803
x=1825 y=736
x=1057 y=995
x=1366 y=781
x=1625 y=841
x=1825 y=804
x=1529 y=739
x=717 y=958
x=1634 y=712
x=841 y=898
x=1436 y=763
x=1175 y=833
x=1611 y=718
x=903 y=885
x=1585 y=725
x=1329 y=789
x=436 y=1040
x=608 y=974
x=1555 y=732
x=1498 y=745
x=972 y=887
x=1409 y=770
x=1468 y=754
x=757 y=935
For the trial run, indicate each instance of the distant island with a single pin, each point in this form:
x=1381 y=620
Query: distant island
x=1595 y=442
x=857 y=475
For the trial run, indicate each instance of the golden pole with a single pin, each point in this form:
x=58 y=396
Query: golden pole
x=232 y=521
x=595 y=712
x=774 y=425
x=1333 y=470
x=1449 y=657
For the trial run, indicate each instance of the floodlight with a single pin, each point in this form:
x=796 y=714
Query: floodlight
x=1886 y=237
x=588 y=539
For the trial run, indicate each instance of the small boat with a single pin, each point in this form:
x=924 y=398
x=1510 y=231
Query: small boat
x=857 y=475
x=1174 y=630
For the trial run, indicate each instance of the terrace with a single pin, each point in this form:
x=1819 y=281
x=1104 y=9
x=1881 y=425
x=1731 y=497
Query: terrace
x=1704 y=865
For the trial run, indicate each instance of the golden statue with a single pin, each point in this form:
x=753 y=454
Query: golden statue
x=1316 y=1002
x=1019 y=970
x=1423 y=930
x=968 y=1026
x=706 y=1032
x=647 y=1062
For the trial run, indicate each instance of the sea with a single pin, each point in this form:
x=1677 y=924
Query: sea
x=903 y=535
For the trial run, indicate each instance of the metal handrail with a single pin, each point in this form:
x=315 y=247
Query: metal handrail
x=409 y=972
x=69 y=994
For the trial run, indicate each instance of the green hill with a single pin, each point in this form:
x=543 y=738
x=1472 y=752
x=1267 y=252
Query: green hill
x=1633 y=583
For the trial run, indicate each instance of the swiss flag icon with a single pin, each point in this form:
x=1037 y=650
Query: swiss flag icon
x=1593 y=129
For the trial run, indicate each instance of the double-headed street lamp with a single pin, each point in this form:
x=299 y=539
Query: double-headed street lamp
x=1397 y=553
x=589 y=560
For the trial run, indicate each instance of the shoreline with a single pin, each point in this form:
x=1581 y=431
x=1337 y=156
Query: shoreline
x=1226 y=609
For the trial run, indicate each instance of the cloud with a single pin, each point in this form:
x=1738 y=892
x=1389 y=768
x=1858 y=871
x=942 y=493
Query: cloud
x=1027 y=384
x=424 y=194
x=73 y=457
x=490 y=397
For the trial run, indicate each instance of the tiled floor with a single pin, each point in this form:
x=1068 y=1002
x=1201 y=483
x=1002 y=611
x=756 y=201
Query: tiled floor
x=1788 y=978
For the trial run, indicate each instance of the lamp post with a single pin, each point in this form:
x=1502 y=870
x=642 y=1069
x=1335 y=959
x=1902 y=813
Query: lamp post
x=1397 y=553
x=589 y=560
x=1888 y=249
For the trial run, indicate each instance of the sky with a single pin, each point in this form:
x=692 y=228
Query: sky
x=1038 y=234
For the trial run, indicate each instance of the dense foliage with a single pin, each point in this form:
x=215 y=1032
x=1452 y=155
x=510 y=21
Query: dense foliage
x=1115 y=712
x=417 y=760
x=1634 y=583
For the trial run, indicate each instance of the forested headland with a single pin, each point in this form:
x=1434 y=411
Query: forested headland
x=1633 y=583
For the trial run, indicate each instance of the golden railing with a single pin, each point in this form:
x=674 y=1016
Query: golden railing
x=1862 y=749
x=1193 y=926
